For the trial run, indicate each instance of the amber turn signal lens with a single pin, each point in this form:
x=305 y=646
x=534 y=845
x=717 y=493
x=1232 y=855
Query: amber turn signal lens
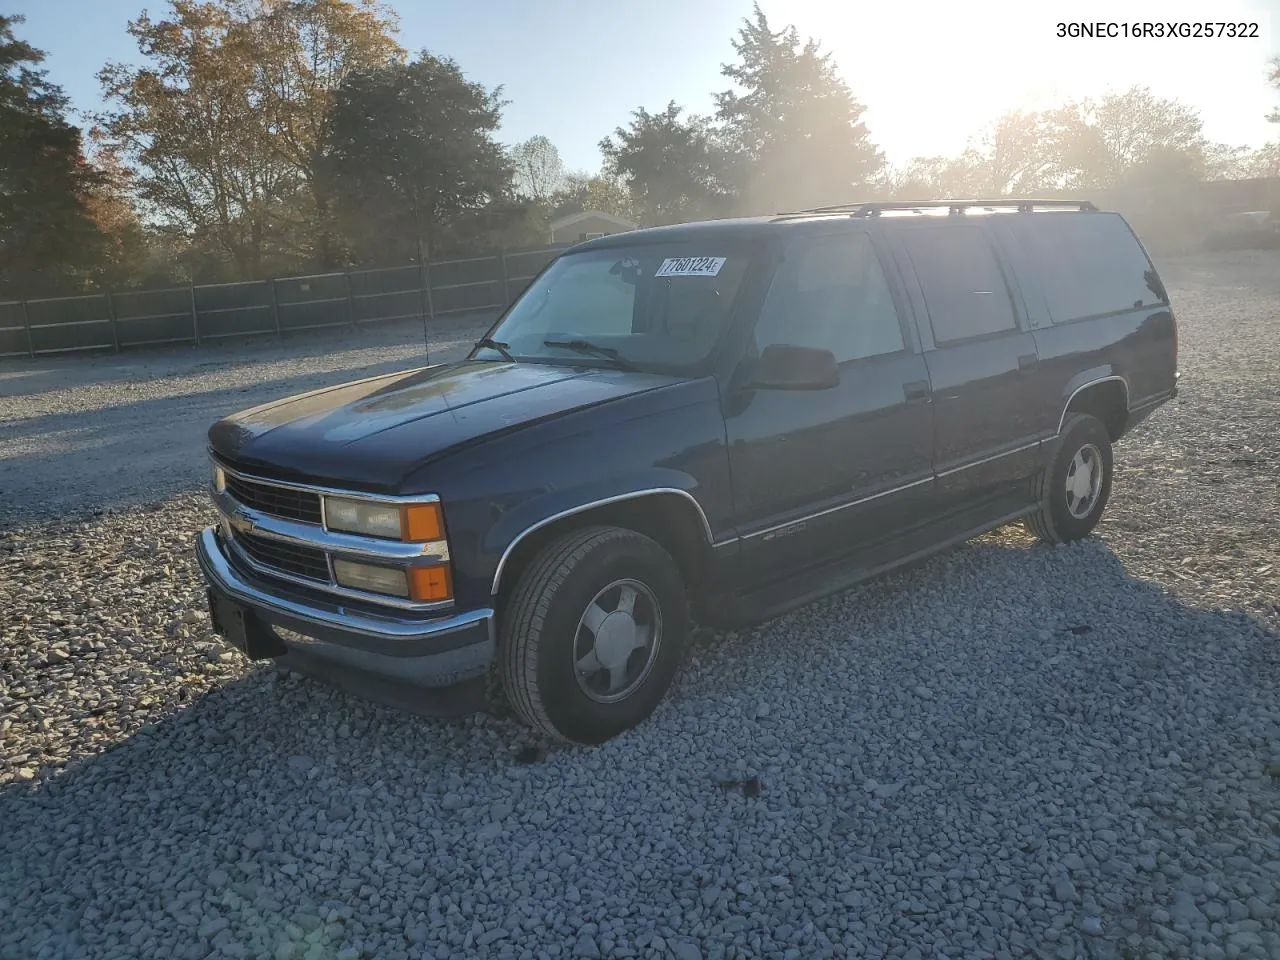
x=420 y=522
x=429 y=584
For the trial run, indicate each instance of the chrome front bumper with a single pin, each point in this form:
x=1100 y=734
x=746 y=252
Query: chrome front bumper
x=396 y=646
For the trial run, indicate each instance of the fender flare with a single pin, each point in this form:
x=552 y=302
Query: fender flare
x=1093 y=383
x=592 y=504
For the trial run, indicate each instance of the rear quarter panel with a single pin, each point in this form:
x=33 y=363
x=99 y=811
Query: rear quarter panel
x=1138 y=345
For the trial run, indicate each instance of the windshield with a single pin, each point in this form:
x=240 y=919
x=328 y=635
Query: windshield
x=658 y=307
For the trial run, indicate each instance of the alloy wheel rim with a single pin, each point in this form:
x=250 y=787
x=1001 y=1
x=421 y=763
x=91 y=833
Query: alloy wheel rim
x=1084 y=481
x=617 y=640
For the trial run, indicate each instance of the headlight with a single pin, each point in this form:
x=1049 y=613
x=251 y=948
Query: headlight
x=219 y=479
x=361 y=516
x=412 y=523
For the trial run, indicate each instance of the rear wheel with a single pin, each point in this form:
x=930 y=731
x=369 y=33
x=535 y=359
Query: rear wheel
x=1077 y=485
x=593 y=634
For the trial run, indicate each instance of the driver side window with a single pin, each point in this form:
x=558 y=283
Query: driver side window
x=830 y=293
x=588 y=301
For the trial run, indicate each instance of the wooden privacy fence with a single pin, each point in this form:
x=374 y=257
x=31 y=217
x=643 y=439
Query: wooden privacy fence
x=208 y=312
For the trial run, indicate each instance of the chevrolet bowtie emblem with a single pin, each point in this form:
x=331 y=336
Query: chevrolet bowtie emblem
x=241 y=522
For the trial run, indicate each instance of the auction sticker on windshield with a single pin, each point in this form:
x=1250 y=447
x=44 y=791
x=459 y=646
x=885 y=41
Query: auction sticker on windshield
x=690 y=267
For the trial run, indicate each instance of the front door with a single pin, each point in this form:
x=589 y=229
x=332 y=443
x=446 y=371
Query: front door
x=818 y=474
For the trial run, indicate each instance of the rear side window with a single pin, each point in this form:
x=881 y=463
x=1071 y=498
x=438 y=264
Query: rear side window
x=963 y=287
x=1087 y=264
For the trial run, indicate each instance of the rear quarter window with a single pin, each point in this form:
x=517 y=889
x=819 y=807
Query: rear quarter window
x=1087 y=264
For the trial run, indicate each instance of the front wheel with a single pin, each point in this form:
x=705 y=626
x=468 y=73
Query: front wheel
x=593 y=634
x=1076 y=485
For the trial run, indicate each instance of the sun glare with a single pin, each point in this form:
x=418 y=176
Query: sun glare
x=933 y=74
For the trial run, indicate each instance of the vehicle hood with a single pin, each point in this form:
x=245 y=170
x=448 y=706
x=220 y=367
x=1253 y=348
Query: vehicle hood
x=371 y=433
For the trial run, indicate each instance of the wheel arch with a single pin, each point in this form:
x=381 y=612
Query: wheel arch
x=669 y=515
x=1105 y=397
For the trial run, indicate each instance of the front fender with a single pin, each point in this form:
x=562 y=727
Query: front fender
x=547 y=508
x=669 y=441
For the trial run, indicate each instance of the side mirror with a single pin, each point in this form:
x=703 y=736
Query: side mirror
x=782 y=366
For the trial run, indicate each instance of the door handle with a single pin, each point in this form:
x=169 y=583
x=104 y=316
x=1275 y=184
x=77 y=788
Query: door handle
x=1028 y=361
x=917 y=391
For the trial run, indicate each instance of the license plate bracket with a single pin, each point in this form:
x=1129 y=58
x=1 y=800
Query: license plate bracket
x=243 y=629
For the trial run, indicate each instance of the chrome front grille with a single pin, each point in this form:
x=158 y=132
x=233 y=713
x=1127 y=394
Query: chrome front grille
x=289 y=558
x=285 y=502
x=278 y=528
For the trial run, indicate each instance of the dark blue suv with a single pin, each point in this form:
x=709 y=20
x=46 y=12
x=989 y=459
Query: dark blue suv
x=712 y=422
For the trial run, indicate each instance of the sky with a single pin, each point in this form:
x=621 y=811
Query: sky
x=931 y=73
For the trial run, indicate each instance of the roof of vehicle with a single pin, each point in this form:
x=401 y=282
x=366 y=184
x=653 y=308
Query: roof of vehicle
x=746 y=228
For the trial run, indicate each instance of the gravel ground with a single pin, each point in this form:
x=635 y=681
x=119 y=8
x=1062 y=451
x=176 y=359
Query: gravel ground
x=1009 y=751
x=117 y=430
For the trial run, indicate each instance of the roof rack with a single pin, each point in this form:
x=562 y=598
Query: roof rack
x=955 y=207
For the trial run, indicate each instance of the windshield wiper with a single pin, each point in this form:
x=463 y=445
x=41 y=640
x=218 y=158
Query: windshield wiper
x=502 y=348
x=594 y=349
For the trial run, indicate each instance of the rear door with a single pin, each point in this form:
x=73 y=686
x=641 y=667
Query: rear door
x=818 y=474
x=982 y=362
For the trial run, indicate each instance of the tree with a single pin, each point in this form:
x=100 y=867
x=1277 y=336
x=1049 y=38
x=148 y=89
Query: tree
x=1128 y=135
x=1263 y=162
x=305 y=49
x=581 y=191
x=126 y=248
x=671 y=167
x=1273 y=78
x=793 y=127
x=937 y=178
x=47 y=235
x=191 y=127
x=1222 y=161
x=1019 y=155
x=539 y=171
x=224 y=125
x=412 y=162
x=918 y=179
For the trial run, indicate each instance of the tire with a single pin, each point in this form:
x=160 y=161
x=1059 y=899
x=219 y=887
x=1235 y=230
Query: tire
x=1065 y=513
x=549 y=630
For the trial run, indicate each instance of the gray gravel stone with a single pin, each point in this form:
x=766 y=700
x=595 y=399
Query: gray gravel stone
x=1085 y=775
x=1184 y=910
x=1260 y=910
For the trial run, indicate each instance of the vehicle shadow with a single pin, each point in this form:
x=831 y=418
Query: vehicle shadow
x=274 y=801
